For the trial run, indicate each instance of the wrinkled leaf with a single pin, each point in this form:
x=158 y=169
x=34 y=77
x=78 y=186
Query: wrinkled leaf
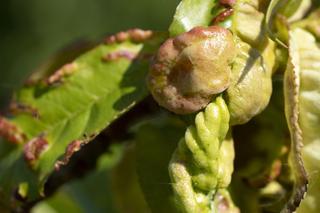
x=291 y=96
x=251 y=84
x=276 y=18
x=311 y=23
x=247 y=22
x=308 y=53
x=261 y=164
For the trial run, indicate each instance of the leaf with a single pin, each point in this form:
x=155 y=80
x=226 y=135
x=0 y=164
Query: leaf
x=276 y=18
x=311 y=23
x=259 y=166
x=291 y=96
x=202 y=165
x=247 y=22
x=73 y=105
x=127 y=193
x=156 y=140
x=308 y=53
x=92 y=193
x=251 y=83
x=192 y=13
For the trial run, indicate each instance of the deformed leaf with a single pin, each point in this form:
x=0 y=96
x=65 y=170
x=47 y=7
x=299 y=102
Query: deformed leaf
x=248 y=22
x=311 y=23
x=251 y=84
x=291 y=96
x=276 y=18
x=308 y=54
x=75 y=103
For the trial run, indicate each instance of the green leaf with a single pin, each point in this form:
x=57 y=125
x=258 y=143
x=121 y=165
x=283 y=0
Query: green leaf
x=311 y=23
x=127 y=193
x=308 y=56
x=258 y=166
x=192 y=13
x=280 y=13
x=247 y=22
x=85 y=98
x=291 y=96
x=92 y=193
x=251 y=83
x=201 y=166
x=156 y=140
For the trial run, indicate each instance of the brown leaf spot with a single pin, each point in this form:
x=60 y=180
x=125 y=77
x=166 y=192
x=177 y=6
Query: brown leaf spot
x=33 y=149
x=73 y=147
x=120 y=54
x=10 y=132
x=134 y=35
x=64 y=71
x=222 y=16
x=16 y=108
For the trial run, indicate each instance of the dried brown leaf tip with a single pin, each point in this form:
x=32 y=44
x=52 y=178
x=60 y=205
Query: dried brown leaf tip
x=191 y=68
x=64 y=71
x=34 y=148
x=10 y=132
x=134 y=35
x=73 y=147
x=222 y=16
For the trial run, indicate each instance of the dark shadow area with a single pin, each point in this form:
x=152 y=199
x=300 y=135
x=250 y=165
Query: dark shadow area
x=31 y=31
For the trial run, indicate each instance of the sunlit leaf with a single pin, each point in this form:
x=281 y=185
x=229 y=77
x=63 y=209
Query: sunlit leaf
x=276 y=18
x=291 y=96
x=192 y=13
x=71 y=107
x=308 y=53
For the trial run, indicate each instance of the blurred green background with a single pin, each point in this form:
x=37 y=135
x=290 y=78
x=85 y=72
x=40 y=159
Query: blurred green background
x=33 y=30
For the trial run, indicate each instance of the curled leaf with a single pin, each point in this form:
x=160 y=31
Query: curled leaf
x=251 y=85
x=247 y=22
x=203 y=162
x=291 y=96
x=307 y=52
x=280 y=13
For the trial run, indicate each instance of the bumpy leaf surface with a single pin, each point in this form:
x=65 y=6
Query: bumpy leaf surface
x=202 y=164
